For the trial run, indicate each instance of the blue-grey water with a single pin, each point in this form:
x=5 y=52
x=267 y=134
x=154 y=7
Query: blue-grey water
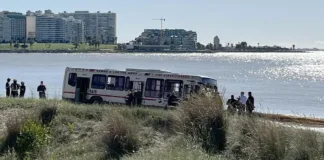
x=288 y=83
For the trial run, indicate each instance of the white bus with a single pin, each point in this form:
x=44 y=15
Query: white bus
x=152 y=87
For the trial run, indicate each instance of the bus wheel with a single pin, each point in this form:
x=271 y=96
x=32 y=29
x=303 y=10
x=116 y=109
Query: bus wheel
x=97 y=101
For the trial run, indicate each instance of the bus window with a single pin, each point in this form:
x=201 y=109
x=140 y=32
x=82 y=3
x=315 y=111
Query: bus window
x=133 y=85
x=186 y=91
x=72 y=79
x=153 y=88
x=173 y=86
x=116 y=83
x=137 y=85
x=98 y=81
x=128 y=85
x=196 y=89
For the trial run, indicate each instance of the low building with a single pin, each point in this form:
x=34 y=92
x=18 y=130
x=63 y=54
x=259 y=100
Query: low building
x=176 y=38
x=140 y=47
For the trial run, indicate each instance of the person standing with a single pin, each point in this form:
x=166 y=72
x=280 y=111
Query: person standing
x=250 y=103
x=14 y=88
x=8 y=88
x=41 y=90
x=242 y=99
x=232 y=104
x=22 y=90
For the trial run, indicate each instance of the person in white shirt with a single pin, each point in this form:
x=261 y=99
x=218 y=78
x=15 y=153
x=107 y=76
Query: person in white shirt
x=242 y=99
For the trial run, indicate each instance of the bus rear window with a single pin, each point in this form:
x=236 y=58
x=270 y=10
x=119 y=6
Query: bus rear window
x=72 y=79
x=98 y=81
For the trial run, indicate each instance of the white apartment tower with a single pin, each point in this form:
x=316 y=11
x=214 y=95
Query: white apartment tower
x=58 y=30
x=216 y=42
x=99 y=26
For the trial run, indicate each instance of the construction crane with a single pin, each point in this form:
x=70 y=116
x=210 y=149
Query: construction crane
x=161 y=19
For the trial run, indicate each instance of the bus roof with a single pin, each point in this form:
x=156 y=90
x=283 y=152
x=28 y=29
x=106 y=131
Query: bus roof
x=146 y=70
x=158 y=73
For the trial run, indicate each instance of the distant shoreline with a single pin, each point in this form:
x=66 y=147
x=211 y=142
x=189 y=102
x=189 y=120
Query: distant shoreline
x=130 y=51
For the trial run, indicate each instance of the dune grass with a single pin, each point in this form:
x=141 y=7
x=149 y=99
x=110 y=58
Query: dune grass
x=198 y=129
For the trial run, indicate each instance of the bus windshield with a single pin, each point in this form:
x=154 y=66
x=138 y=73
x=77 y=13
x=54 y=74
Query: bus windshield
x=209 y=81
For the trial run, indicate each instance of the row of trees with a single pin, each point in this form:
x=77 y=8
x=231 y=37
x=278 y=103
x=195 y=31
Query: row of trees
x=240 y=46
x=16 y=44
x=203 y=47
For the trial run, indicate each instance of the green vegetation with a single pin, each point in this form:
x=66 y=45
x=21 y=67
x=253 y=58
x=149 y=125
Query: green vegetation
x=54 y=46
x=199 y=129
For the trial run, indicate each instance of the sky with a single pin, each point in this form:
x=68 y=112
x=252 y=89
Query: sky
x=268 y=22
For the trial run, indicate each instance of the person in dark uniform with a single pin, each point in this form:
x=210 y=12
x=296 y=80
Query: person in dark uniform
x=14 y=88
x=8 y=88
x=250 y=103
x=130 y=98
x=232 y=104
x=172 y=100
x=41 y=90
x=22 y=90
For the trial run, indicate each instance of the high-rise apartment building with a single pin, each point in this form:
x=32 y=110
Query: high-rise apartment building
x=216 y=42
x=5 y=32
x=58 y=30
x=101 y=26
x=17 y=22
x=30 y=26
x=74 y=30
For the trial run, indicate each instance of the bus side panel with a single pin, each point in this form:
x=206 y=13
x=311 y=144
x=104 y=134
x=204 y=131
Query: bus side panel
x=64 y=79
x=68 y=90
x=107 y=95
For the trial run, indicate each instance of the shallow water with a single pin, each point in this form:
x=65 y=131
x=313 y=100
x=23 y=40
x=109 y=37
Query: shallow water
x=288 y=83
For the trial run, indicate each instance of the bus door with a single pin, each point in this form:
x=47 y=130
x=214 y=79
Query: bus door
x=173 y=91
x=153 y=93
x=82 y=87
x=137 y=86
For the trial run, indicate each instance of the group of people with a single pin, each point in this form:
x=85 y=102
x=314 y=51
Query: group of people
x=241 y=104
x=18 y=90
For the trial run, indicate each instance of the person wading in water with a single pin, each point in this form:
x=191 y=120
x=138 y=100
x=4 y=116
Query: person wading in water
x=41 y=90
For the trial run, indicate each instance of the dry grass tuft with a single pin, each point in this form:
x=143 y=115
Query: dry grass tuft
x=119 y=137
x=202 y=118
x=47 y=114
x=14 y=125
x=254 y=138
